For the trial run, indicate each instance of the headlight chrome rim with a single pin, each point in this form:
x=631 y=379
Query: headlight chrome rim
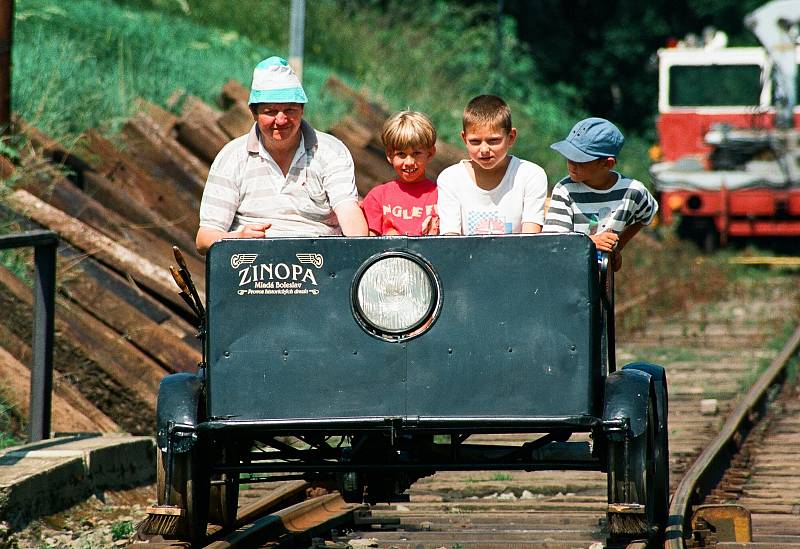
x=426 y=320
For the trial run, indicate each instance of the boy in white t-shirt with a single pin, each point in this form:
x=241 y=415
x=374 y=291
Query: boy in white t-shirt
x=492 y=192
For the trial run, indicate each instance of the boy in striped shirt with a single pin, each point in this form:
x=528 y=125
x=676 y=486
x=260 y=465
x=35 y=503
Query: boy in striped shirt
x=594 y=199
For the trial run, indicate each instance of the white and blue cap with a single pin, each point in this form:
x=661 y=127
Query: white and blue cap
x=591 y=139
x=274 y=81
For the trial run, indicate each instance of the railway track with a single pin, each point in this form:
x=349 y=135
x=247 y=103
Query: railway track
x=764 y=477
x=751 y=468
x=712 y=356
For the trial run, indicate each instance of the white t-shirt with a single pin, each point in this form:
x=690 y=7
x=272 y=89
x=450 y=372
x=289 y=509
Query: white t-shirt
x=465 y=208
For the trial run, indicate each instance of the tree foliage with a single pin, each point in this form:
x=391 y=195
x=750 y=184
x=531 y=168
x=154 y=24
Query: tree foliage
x=606 y=50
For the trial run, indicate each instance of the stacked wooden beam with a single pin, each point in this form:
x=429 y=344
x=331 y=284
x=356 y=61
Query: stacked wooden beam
x=119 y=207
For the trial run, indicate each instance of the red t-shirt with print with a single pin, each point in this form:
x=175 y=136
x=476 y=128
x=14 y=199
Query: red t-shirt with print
x=402 y=206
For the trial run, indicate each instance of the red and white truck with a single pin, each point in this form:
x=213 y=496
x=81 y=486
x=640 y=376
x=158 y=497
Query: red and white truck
x=729 y=147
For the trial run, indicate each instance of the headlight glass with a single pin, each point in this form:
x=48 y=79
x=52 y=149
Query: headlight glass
x=395 y=294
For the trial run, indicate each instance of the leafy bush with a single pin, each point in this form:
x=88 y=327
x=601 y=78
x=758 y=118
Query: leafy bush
x=9 y=423
x=122 y=530
x=433 y=59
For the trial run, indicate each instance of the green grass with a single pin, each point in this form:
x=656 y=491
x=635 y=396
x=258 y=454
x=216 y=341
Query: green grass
x=673 y=274
x=9 y=425
x=501 y=477
x=669 y=355
x=81 y=64
x=776 y=344
x=17 y=260
x=122 y=530
x=792 y=369
x=6 y=440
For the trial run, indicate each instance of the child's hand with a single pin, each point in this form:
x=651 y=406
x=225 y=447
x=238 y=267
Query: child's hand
x=430 y=225
x=252 y=231
x=605 y=241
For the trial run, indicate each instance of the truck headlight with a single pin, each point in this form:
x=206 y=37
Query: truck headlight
x=395 y=294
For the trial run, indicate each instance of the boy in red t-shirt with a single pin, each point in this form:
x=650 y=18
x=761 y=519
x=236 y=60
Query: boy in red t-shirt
x=406 y=205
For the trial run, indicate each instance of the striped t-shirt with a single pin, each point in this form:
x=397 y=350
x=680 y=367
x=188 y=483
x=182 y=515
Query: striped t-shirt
x=245 y=186
x=576 y=207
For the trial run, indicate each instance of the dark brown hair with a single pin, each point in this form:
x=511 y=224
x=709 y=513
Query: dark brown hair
x=487 y=110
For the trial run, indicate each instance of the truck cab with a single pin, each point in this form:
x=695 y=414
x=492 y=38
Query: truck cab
x=728 y=145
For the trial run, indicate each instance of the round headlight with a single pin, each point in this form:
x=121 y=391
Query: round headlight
x=395 y=294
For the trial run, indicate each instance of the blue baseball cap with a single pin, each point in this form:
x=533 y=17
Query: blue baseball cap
x=274 y=81
x=591 y=139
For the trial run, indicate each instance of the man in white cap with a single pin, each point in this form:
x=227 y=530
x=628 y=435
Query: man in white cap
x=283 y=178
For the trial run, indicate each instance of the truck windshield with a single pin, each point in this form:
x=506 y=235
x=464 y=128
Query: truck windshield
x=714 y=85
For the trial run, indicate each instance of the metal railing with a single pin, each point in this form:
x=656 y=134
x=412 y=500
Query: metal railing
x=45 y=244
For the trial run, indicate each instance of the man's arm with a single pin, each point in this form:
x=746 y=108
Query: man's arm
x=351 y=219
x=530 y=227
x=206 y=236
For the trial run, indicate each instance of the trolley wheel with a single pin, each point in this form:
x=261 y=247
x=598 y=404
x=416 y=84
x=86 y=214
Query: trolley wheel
x=632 y=484
x=189 y=490
x=661 y=449
x=224 y=498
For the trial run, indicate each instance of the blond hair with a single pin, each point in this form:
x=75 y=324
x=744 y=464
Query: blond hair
x=487 y=111
x=408 y=129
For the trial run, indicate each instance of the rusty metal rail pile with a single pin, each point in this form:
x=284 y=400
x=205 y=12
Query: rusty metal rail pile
x=118 y=207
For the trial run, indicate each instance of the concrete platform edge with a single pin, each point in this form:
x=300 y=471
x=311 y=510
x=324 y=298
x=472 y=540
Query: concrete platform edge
x=49 y=476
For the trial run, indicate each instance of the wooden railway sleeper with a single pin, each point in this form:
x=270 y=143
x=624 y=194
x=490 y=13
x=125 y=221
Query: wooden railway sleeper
x=363 y=518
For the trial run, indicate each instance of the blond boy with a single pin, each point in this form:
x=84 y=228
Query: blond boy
x=407 y=204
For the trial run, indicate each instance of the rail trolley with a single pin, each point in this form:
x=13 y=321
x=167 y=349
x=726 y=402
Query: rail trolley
x=369 y=362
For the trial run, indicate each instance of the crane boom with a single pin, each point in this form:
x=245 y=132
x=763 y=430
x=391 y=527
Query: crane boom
x=775 y=24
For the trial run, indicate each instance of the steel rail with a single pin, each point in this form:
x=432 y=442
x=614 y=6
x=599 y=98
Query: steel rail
x=296 y=521
x=286 y=494
x=706 y=472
